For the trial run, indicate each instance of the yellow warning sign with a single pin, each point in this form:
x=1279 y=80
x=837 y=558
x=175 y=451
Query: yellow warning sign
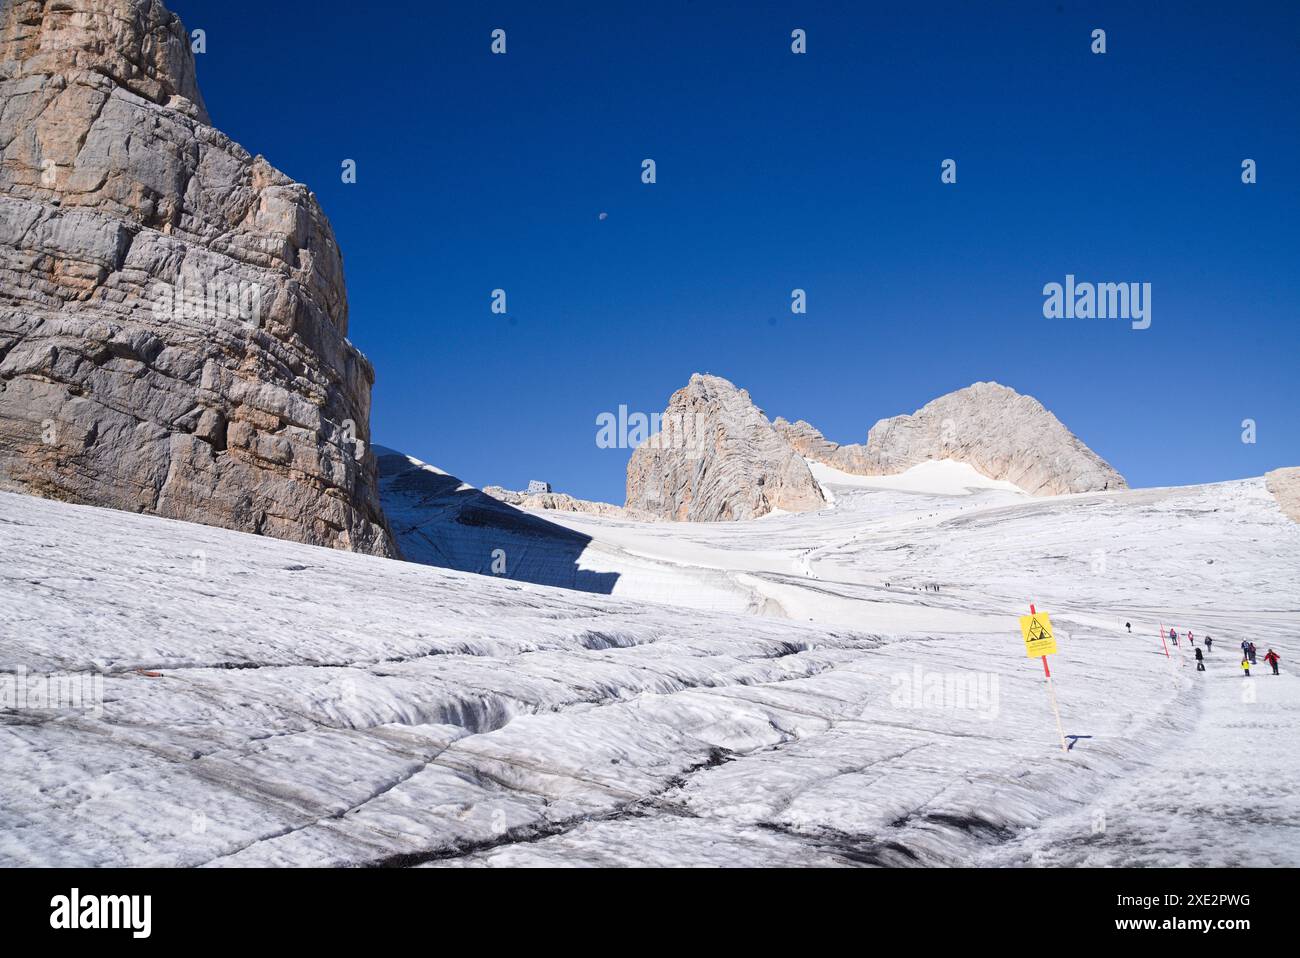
x=1039 y=638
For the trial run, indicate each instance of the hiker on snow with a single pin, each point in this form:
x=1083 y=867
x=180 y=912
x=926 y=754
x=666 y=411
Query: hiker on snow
x=1209 y=643
x=1271 y=658
x=1129 y=626
x=1200 y=662
x=1173 y=636
x=1245 y=649
x=1190 y=640
x=1250 y=651
x=1245 y=667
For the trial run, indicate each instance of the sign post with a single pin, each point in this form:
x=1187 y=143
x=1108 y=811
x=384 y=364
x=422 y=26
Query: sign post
x=1040 y=642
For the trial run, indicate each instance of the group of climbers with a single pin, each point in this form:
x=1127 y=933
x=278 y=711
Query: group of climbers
x=1248 y=652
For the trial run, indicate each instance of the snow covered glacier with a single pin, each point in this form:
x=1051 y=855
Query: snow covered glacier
x=840 y=687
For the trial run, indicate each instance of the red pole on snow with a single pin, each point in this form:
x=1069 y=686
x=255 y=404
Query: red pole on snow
x=1046 y=670
x=1051 y=690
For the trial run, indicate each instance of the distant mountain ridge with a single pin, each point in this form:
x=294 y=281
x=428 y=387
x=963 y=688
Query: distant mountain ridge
x=738 y=465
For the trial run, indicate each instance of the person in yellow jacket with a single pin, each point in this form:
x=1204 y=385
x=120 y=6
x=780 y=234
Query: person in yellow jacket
x=1245 y=667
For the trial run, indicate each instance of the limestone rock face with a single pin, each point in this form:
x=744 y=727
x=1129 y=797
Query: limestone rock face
x=717 y=458
x=173 y=317
x=1285 y=486
x=996 y=430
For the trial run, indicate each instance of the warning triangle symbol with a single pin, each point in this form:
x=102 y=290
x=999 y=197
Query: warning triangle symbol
x=1037 y=632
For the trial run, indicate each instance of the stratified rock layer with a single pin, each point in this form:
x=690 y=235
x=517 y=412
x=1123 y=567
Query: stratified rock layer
x=996 y=430
x=721 y=460
x=238 y=403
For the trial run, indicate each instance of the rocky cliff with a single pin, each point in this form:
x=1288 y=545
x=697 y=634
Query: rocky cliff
x=173 y=318
x=717 y=458
x=998 y=431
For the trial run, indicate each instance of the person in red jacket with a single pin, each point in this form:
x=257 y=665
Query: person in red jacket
x=1271 y=658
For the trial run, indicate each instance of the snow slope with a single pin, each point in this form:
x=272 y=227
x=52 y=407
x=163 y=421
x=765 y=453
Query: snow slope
x=439 y=520
x=272 y=703
x=944 y=477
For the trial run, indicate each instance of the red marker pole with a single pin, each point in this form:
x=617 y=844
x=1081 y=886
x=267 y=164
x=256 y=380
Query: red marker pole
x=1182 y=656
x=1051 y=690
x=1173 y=673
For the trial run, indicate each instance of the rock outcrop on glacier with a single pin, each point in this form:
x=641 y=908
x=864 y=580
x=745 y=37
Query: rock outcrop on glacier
x=1285 y=486
x=173 y=318
x=559 y=502
x=717 y=458
x=998 y=431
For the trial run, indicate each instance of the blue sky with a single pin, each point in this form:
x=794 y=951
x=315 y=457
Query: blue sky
x=778 y=171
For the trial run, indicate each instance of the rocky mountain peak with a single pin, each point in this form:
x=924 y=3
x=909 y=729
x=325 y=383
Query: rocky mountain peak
x=1001 y=433
x=717 y=458
x=998 y=431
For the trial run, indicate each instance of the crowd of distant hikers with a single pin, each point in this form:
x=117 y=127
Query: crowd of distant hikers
x=1248 y=650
